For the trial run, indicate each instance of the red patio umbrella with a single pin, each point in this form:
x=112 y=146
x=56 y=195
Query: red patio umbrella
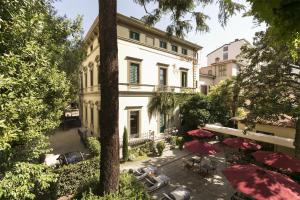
x=242 y=143
x=278 y=160
x=201 y=133
x=262 y=184
x=202 y=148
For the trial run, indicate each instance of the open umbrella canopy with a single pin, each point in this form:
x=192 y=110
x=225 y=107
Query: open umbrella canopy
x=278 y=160
x=201 y=133
x=242 y=143
x=202 y=148
x=262 y=184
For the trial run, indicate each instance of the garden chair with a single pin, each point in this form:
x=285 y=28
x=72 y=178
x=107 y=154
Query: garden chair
x=177 y=194
x=141 y=173
x=153 y=183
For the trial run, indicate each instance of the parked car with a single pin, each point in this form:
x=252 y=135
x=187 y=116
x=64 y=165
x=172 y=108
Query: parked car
x=51 y=160
x=55 y=160
x=71 y=157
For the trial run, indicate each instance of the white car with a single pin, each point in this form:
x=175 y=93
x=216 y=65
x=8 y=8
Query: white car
x=52 y=160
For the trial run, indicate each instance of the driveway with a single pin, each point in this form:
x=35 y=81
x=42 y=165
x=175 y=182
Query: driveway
x=63 y=141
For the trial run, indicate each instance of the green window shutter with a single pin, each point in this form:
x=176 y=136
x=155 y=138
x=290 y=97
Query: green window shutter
x=134 y=73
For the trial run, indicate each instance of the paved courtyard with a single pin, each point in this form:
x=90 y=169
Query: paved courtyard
x=171 y=164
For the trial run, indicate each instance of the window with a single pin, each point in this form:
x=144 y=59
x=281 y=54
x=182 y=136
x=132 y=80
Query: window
x=91 y=48
x=99 y=118
x=204 y=89
x=162 y=122
x=217 y=59
x=162 y=76
x=92 y=77
x=81 y=81
x=86 y=115
x=225 y=48
x=210 y=72
x=134 y=73
x=222 y=70
x=85 y=79
x=184 y=51
x=174 y=48
x=134 y=35
x=183 y=79
x=163 y=44
x=92 y=115
x=134 y=123
x=225 y=56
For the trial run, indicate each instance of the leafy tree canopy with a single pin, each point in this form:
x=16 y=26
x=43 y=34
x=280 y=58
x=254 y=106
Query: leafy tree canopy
x=184 y=12
x=271 y=80
x=283 y=19
x=224 y=101
x=33 y=90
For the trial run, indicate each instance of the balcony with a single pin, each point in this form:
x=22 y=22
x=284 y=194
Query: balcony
x=126 y=87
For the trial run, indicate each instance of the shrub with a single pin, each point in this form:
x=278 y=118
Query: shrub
x=75 y=177
x=195 y=112
x=93 y=145
x=125 y=145
x=160 y=146
x=180 y=142
x=129 y=188
x=173 y=140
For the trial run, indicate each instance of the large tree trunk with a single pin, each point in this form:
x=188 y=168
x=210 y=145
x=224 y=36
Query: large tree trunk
x=297 y=139
x=109 y=125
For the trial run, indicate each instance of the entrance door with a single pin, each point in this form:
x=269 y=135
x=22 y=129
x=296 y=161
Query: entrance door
x=162 y=122
x=134 y=123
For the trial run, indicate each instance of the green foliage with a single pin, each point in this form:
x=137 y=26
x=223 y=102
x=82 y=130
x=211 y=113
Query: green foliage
x=129 y=188
x=180 y=142
x=195 y=112
x=280 y=16
x=142 y=150
x=165 y=102
x=224 y=101
x=26 y=181
x=125 y=145
x=273 y=88
x=33 y=89
x=179 y=10
x=74 y=178
x=93 y=145
x=160 y=146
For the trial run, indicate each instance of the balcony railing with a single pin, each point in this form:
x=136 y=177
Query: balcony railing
x=143 y=88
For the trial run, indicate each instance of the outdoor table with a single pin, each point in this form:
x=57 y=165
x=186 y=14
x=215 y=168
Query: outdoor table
x=205 y=168
x=196 y=159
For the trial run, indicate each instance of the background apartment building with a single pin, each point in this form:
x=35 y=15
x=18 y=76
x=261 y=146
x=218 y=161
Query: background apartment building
x=149 y=61
x=222 y=63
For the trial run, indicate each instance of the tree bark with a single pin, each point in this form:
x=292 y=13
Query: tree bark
x=109 y=120
x=297 y=139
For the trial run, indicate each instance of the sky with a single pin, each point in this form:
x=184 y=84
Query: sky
x=238 y=27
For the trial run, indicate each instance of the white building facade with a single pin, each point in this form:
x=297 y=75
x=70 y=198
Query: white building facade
x=222 y=63
x=149 y=62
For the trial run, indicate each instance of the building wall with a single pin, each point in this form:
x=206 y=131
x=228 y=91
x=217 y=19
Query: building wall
x=286 y=132
x=234 y=49
x=135 y=97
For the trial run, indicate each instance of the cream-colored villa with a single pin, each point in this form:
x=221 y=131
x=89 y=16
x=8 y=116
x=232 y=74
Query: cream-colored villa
x=149 y=61
x=222 y=63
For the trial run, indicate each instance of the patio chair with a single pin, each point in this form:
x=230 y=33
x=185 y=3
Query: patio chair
x=156 y=182
x=141 y=173
x=177 y=194
x=240 y=196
